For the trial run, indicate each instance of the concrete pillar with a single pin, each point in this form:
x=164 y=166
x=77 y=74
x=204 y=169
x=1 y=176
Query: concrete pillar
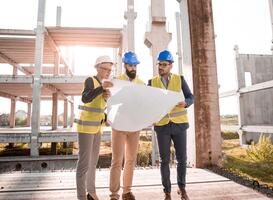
x=187 y=73
x=28 y=114
x=58 y=16
x=65 y=144
x=118 y=61
x=179 y=44
x=56 y=53
x=54 y=120
x=240 y=103
x=73 y=61
x=130 y=16
x=155 y=151
x=56 y=70
x=207 y=115
x=66 y=69
x=15 y=71
x=12 y=112
x=36 y=87
x=158 y=38
x=72 y=112
x=124 y=38
x=271 y=15
x=65 y=114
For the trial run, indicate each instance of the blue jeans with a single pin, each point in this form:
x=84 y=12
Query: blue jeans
x=178 y=134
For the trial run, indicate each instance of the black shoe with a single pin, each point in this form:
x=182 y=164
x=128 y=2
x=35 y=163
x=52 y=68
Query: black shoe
x=183 y=194
x=128 y=196
x=168 y=196
x=89 y=197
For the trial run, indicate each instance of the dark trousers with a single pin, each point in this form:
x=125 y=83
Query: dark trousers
x=178 y=134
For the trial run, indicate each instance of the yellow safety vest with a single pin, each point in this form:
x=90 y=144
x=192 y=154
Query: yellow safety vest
x=177 y=114
x=124 y=77
x=92 y=114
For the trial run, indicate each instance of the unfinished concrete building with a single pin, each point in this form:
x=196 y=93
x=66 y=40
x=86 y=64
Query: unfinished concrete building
x=199 y=65
x=254 y=94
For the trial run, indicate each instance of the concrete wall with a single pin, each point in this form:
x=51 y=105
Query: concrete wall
x=256 y=107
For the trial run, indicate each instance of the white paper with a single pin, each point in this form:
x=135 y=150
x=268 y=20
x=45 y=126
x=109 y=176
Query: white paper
x=133 y=107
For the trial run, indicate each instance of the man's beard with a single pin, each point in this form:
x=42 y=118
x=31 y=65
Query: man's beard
x=131 y=74
x=161 y=72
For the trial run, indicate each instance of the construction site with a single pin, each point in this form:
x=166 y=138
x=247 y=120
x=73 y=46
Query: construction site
x=42 y=72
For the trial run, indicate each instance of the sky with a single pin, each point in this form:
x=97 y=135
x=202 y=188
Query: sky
x=245 y=23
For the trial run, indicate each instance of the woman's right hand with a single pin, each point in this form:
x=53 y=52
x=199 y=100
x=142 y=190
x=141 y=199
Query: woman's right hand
x=107 y=84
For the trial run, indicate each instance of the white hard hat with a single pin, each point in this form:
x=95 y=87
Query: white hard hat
x=103 y=59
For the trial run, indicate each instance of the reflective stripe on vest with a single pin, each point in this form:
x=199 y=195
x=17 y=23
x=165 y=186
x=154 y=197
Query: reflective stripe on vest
x=92 y=114
x=91 y=109
x=177 y=114
x=87 y=123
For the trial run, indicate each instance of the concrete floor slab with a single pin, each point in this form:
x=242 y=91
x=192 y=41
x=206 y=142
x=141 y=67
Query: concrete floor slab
x=201 y=184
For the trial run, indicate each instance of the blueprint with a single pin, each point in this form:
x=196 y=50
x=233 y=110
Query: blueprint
x=133 y=107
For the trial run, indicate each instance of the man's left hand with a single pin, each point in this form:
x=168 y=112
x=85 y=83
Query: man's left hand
x=182 y=104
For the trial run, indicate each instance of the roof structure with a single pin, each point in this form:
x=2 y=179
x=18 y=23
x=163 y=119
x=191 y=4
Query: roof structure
x=19 y=45
x=17 y=48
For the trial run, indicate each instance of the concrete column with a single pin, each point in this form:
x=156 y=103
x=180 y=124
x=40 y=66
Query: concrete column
x=28 y=114
x=56 y=70
x=72 y=112
x=271 y=15
x=12 y=112
x=54 y=120
x=179 y=44
x=124 y=38
x=65 y=114
x=56 y=54
x=130 y=15
x=65 y=144
x=15 y=71
x=36 y=87
x=158 y=38
x=66 y=69
x=240 y=103
x=187 y=73
x=73 y=61
x=58 y=16
x=207 y=115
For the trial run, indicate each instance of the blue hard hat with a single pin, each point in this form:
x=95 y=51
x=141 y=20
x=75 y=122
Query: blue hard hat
x=165 y=56
x=130 y=58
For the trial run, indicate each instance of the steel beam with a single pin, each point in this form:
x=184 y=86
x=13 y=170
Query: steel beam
x=13 y=63
x=17 y=32
x=23 y=99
